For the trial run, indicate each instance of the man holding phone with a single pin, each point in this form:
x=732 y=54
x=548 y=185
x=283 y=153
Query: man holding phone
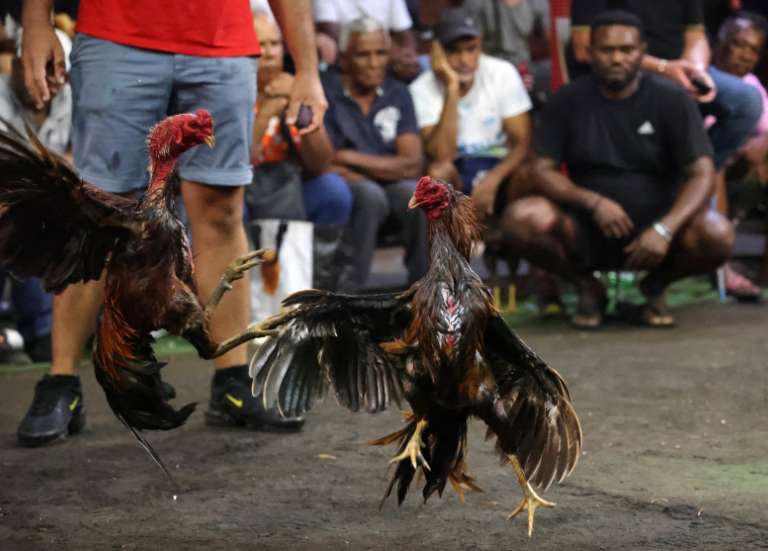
x=678 y=50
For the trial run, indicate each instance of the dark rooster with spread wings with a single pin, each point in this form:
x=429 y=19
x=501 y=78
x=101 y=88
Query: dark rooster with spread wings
x=62 y=230
x=443 y=347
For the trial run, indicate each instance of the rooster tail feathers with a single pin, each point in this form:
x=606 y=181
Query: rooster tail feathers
x=144 y=443
x=444 y=450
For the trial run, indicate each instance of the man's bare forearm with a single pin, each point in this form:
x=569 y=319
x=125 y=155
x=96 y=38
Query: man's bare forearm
x=383 y=168
x=554 y=185
x=695 y=193
x=347 y=173
x=441 y=144
x=36 y=11
x=697 y=49
x=316 y=152
x=295 y=19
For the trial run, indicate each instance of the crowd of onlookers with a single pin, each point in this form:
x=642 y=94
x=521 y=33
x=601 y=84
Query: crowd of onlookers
x=645 y=162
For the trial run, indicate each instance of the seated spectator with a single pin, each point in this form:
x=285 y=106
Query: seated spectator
x=472 y=111
x=740 y=43
x=325 y=197
x=331 y=15
x=638 y=186
x=372 y=125
x=52 y=124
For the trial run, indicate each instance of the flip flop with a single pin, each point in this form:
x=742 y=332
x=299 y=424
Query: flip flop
x=589 y=311
x=645 y=315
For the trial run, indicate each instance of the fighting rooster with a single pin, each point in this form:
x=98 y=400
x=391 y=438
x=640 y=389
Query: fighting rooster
x=443 y=347
x=62 y=230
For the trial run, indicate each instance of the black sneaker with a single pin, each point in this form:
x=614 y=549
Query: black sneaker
x=56 y=411
x=233 y=405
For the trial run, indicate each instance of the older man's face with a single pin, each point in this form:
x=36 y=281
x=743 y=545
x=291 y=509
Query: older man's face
x=366 y=58
x=742 y=50
x=271 y=42
x=617 y=51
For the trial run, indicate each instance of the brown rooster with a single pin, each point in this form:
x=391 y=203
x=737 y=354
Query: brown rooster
x=442 y=346
x=62 y=230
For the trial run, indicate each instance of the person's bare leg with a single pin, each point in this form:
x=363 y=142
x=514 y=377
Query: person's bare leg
x=74 y=319
x=218 y=237
x=539 y=231
x=702 y=246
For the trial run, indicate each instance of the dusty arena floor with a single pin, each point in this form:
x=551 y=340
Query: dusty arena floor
x=676 y=457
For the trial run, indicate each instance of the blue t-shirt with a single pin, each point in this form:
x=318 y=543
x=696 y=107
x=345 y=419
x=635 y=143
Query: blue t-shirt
x=391 y=115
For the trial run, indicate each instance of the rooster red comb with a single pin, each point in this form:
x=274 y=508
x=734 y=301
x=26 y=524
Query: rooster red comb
x=174 y=135
x=434 y=196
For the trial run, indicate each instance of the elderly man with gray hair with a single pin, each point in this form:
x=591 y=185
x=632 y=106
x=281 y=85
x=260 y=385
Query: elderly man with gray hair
x=372 y=125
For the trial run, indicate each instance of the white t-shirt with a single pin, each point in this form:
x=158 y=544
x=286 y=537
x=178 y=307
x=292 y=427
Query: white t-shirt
x=56 y=129
x=393 y=14
x=497 y=94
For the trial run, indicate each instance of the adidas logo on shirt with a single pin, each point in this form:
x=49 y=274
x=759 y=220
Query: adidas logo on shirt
x=646 y=129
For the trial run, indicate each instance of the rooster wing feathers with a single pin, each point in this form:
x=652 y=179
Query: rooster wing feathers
x=530 y=412
x=52 y=224
x=333 y=339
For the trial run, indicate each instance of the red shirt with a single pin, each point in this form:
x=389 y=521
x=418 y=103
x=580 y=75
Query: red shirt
x=211 y=28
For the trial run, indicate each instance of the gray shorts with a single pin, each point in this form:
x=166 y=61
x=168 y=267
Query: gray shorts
x=119 y=92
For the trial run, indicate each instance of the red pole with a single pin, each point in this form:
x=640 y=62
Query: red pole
x=559 y=29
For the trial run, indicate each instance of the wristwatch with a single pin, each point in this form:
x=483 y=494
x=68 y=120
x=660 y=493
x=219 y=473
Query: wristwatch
x=663 y=230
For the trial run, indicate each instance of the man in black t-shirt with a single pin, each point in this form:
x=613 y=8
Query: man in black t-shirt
x=678 y=50
x=640 y=177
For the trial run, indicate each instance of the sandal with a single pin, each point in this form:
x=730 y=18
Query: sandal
x=591 y=307
x=740 y=287
x=645 y=315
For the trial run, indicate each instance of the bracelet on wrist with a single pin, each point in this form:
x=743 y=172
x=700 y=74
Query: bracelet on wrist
x=663 y=230
x=661 y=68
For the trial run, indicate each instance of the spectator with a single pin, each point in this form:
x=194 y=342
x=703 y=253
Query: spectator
x=327 y=199
x=131 y=67
x=52 y=124
x=639 y=181
x=372 y=125
x=507 y=27
x=331 y=15
x=472 y=111
x=678 y=50
x=740 y=43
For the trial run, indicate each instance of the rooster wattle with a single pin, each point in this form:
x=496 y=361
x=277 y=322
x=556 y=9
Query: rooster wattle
x=62 y=230
x=443 y=347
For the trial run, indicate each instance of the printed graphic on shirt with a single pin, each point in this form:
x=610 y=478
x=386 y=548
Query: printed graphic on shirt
x=386 y=121
x=646 y=129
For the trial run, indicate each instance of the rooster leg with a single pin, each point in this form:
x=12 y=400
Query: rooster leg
x=235 y=271
x=412 y=449
x=253 y=332
x=531 y=499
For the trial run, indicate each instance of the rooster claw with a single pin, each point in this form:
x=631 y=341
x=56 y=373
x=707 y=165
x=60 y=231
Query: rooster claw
x=530 y=502
x=412 y=449
x=243 y=263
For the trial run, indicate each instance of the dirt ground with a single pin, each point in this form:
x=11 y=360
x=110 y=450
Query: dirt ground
x=676 y=457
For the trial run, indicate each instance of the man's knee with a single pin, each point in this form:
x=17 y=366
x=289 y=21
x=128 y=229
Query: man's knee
x=215 y=209
x=710 y=235
x=370 y=198
x=445 y=170
x=328 y=199
x=528 y=217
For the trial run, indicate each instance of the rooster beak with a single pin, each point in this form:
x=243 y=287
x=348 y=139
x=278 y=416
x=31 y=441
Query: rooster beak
x=413 y=203
x=210 y=141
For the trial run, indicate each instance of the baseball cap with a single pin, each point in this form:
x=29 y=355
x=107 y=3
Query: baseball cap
x=456 y=23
